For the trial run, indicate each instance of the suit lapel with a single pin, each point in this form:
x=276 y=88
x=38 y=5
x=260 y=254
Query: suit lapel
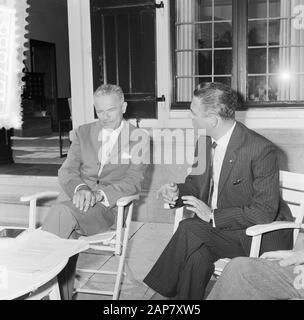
x=230 y=156
x=96 y=138
x=227 y=166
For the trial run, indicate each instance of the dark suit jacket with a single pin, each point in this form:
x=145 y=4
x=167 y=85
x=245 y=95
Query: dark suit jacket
x=249 y=183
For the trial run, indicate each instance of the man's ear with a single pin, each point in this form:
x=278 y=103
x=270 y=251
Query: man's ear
x=215 y=121
x=124 y=107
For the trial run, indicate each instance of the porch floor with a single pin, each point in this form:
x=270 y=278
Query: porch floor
x=146 y=242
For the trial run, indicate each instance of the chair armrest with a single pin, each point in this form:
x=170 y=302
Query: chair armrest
x=40 y=195
x=276 y=225
x=126 y=200
x=32 y=199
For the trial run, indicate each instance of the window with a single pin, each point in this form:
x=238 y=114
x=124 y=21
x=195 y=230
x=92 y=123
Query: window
x=275 y=51
x=261 y=55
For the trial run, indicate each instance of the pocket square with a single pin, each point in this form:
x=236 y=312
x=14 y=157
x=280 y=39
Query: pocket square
x=236 y=182
x=126 y=155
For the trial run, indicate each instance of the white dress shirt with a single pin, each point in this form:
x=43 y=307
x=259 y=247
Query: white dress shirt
x=108 y=137
x=218 y=158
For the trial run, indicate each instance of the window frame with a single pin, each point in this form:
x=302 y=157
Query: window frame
x=239 y=79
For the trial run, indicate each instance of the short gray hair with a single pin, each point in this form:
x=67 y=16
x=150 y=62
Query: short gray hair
x=110 y=89
x=218 y=97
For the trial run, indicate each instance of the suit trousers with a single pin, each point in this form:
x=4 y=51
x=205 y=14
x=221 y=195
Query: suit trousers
x=258 y=279
x=66 y=221
x=187 y=263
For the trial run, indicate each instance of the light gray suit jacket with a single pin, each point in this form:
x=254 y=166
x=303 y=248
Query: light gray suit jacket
x=121 y=176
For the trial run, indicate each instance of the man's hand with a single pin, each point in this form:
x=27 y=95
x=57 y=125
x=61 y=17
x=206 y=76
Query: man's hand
x=169 y=193
x=84 y=199
x=197 y=206
x=286 y=257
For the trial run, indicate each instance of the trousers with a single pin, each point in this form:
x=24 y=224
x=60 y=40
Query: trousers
x=187 y=263
x=258 y=279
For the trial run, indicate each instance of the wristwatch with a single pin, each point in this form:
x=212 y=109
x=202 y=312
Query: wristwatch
x=99 y=196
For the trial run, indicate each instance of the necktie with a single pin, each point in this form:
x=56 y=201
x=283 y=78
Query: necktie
x=104 y=151
x=211 y=185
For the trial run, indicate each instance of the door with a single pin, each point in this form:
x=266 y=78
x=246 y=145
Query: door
x=124 y=52
x=43 y=60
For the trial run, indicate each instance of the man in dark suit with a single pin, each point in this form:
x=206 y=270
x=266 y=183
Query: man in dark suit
x=238 y=189
x=102 y=166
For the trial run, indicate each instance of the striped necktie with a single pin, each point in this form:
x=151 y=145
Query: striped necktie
x=211 y=185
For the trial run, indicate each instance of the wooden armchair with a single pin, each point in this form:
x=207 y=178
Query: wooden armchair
x=292 y=191
x=114 y=242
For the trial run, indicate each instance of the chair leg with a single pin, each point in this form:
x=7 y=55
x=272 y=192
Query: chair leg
x=118 y=280
x=55 y=293
x=123 y=254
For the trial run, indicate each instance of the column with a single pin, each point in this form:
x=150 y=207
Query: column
x=80 y=62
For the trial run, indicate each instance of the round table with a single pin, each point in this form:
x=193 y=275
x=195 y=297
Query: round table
x=35 y=285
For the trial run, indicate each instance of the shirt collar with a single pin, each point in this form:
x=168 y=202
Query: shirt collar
x=109 y=132
x=224 y=140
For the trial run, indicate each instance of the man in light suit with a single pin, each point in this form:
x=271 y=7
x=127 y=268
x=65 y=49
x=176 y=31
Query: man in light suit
x=99 y=170
x=238 y=189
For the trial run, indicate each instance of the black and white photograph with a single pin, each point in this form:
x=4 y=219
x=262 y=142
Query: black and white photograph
x=151 y=153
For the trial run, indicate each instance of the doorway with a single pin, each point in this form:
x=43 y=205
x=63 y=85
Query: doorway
x=124 y=52
x=43 y=60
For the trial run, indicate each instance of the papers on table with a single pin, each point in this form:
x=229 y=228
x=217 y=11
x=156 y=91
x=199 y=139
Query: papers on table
x=37 y=250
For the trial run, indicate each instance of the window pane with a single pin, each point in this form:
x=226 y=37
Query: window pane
x=274 y=60
x=202 y=80
x=222 y=35
x=274 y=32
x=283 y=88
x=257 y=88
x=289 y=61
x=223 y=62
x=297 y=59
x=184 y=39
x=273 y=89
x=204 y=35
x=257 y=9
x=297 y=92
x=222 y=9
x=225 y=80
x=201 y=28
x=275 y=8
x=204 y=10
x=184 y=64
x=283 y=66
x=256 y=61
x=257 y=33
x=204 y=59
